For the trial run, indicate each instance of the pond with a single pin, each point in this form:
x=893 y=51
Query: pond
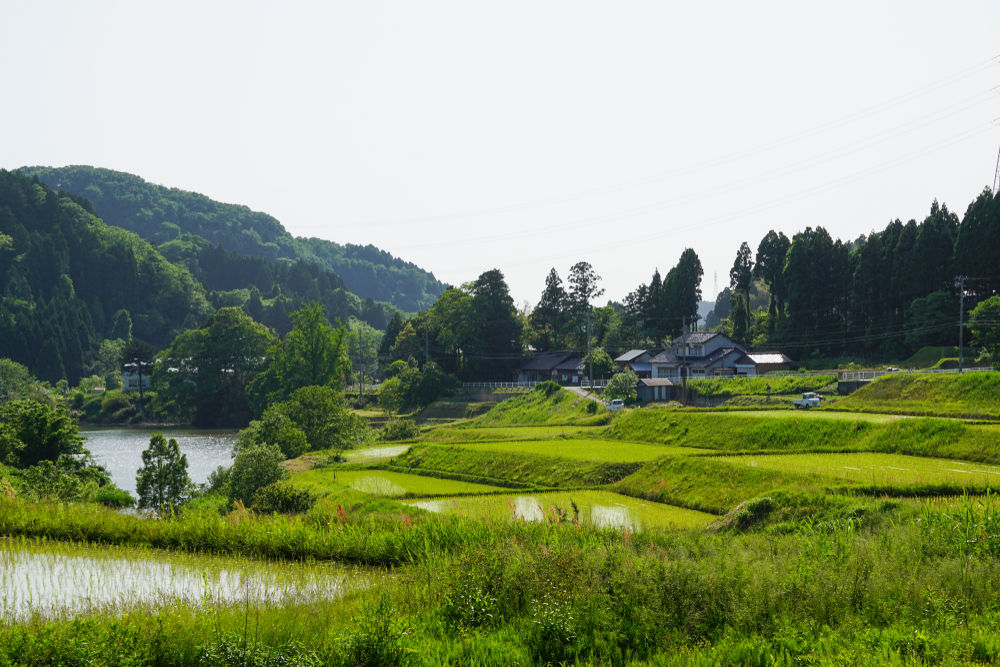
x=602 y=509
x=60 y=579
x=119 y=449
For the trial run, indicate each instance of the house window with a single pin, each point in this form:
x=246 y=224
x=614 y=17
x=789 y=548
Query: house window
x=662 y=372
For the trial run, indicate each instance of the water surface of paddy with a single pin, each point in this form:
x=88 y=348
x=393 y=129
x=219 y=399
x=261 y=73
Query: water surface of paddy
x=54 y=579
x=386 y=483
x=119 y=449
x=602 y=509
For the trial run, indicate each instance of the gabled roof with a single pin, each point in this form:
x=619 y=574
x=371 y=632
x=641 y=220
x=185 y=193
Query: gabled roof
x=672 y=358
x=630 y=355
x=696 y=337
x=641 y=367
x=551 y=361
x=545 y=361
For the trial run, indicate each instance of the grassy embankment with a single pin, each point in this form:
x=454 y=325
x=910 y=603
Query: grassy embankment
x=966 y=395
x=786 y=385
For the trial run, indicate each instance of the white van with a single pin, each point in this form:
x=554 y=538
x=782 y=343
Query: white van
x=616 y=404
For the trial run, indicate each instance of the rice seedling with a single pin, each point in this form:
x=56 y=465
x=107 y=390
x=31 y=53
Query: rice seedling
x=463 y=433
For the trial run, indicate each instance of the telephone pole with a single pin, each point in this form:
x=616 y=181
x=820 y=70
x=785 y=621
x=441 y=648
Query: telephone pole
x=684 y=362
x=589 y=355
x=996 y=176
x=960 y=284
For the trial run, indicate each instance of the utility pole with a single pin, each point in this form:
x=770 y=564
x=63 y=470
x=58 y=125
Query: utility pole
x=589 y=355
x=996 y=177
x=960 y=284
x=427 y=344
x=684 y=363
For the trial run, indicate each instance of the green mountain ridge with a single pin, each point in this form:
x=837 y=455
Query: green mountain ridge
x=161 y=214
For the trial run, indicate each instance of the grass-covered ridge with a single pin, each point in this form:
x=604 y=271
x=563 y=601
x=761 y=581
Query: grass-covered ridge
x=546 y=405
x=971 y=395
x=757 y=386
x=509 y=469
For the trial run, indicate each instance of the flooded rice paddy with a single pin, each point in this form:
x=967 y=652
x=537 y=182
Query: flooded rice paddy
x=62 y=579
x=119 y=449
x=874 y=468
x=601 y=509
x=386 y=483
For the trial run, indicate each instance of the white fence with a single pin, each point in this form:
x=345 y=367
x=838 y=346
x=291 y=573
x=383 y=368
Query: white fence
x=865 y=376
x=498 y=385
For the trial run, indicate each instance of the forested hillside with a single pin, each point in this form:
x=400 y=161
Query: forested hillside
x=70 y=280
x=268 y=290
x=162 y=214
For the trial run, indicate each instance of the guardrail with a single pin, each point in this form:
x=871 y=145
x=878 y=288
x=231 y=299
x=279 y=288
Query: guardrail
x=596 y=383
x=499 y=385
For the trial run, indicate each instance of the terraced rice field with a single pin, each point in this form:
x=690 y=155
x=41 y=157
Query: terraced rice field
x=386 y=483
x=876 y=469
x=369 y=454
x=611 y=451
x=458 y=434
x=603 y=509
x=59 y=579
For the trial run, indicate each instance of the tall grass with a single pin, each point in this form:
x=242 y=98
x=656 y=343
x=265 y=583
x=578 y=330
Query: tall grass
x=970 y=395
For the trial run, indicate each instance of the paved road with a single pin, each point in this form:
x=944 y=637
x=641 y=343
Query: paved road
x=584 y=393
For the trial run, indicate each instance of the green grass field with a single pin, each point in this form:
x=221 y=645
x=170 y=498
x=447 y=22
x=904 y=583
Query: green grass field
x=969 y=395
x=601 y=509
x=385 y=483
x=613 y=451
x=871 y=468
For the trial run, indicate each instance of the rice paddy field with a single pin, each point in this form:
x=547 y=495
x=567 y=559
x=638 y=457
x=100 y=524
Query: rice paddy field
x=51 y=579
x=600 y=509
x=587 y=449
x=876 y=469
x=387 y=483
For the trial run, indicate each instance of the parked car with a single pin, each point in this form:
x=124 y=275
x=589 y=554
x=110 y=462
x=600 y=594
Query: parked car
x=616 y=404
x=808 y=400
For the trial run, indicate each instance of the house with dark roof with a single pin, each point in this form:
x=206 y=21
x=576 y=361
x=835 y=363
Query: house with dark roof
x=702 y=354
x=561 y=367
x=638 y=361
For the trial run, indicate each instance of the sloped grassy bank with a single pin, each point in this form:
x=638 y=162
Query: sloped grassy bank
x=968 y=395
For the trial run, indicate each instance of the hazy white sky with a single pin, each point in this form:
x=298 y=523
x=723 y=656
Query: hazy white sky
x=522 y=136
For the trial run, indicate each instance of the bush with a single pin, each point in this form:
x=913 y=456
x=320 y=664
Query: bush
x=622 y=386
x=548 y=387
x=400 y=429
x=255 y=467
x=274 y=428
x=112 y=496
x=284 y=498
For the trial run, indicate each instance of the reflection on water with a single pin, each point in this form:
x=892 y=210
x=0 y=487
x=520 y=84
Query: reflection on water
x=119 y=449
x=65 y=579
x=377 y=486
x=601 y=509
x=375 y=453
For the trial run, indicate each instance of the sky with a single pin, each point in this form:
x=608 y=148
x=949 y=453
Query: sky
x=523 y=136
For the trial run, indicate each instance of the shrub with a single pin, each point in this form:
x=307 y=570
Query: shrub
x=400 y=429
x=284 y=498
x=274 y=428
x=548 y=387
x=255 y=467
x=622 y=385
x=112 y=496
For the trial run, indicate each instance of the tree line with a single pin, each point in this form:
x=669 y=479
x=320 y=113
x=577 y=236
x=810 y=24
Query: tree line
x=881 y=296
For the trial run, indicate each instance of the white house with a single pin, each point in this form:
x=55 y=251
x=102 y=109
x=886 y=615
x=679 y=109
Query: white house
x=130 y=380
x=702 y=355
